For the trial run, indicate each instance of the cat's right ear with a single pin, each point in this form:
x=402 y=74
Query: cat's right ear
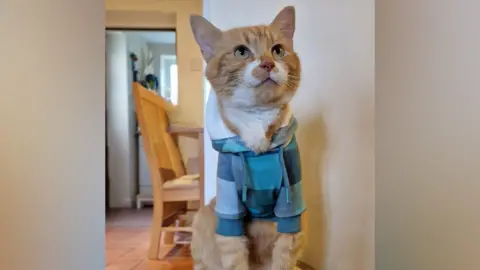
x=285 y=21
x=206 y=35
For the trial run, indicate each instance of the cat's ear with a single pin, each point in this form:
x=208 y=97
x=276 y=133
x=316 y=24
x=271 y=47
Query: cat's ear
x=285 y=21
x=206 y=35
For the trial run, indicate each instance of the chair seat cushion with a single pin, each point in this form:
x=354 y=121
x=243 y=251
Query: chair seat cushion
x=182 y=182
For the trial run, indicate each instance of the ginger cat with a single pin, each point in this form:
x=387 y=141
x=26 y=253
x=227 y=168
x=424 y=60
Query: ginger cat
x=266 y=248
x=254 y=73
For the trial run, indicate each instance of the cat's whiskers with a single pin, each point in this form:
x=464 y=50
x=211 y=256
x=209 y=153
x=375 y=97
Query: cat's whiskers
x=236 y=81
x=290 y=84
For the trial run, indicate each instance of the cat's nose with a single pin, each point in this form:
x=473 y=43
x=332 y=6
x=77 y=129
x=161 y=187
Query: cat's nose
x=267 y=65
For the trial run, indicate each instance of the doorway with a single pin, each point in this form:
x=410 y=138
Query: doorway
x=147 y=57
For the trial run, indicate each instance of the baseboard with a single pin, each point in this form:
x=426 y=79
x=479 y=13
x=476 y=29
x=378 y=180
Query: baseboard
x=125 y=203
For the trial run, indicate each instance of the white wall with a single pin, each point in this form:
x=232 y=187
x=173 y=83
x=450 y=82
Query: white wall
x=335 y=109
x=52 y=157
x=159 y=49
x=138 y=45
x=121 y=123
x=428 y=135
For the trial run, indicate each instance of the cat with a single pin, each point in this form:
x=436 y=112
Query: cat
x=254 y=73
x=261 y=237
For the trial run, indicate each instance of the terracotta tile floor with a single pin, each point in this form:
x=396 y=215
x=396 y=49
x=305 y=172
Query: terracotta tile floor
x=127 y=239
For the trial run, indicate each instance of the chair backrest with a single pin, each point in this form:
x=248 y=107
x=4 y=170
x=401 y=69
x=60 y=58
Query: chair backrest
x=164 y=158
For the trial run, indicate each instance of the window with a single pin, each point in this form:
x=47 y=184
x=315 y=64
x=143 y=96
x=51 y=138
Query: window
x=207 y=88
x=169 y=78
x=174 y=84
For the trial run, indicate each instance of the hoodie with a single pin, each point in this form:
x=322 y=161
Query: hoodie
x=255 y=186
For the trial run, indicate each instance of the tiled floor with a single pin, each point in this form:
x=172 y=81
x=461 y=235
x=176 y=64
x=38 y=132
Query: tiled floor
x=127 y=238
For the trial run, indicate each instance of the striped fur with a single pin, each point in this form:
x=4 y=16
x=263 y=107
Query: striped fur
x=251 y=105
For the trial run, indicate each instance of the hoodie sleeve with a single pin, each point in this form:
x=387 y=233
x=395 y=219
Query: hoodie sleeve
x=229 y=207
x=288 y=212
x=290 y=203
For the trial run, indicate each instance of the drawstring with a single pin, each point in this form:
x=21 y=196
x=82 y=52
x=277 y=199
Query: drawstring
x=247 y=177
x=286 y=180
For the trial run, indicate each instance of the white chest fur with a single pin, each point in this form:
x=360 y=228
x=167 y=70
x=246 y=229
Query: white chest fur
x=252 y=124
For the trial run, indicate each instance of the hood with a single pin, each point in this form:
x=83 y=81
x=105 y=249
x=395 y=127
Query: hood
x=223 y=140
x=216 y=128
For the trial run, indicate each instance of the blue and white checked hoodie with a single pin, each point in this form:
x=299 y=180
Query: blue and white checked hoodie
x=256 y=186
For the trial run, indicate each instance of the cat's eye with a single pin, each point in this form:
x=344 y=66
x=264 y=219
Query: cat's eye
x=278 y=51
x=242 y=52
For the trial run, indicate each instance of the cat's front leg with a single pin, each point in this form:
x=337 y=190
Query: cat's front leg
x=233 y=252
x=287 y=250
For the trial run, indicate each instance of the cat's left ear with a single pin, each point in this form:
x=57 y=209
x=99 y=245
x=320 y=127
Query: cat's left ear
x=285 y=21
x=206 y=35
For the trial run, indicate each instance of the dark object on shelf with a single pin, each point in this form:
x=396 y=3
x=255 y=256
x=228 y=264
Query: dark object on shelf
x=134 y=58
x=152 y=81
x=135 y=76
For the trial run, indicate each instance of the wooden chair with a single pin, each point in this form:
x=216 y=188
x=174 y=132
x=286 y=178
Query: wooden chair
x=172 y=188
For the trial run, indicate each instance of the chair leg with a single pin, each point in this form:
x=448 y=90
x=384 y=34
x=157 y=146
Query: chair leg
x=139 y=203
x=156 y=232
x=168 y=238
